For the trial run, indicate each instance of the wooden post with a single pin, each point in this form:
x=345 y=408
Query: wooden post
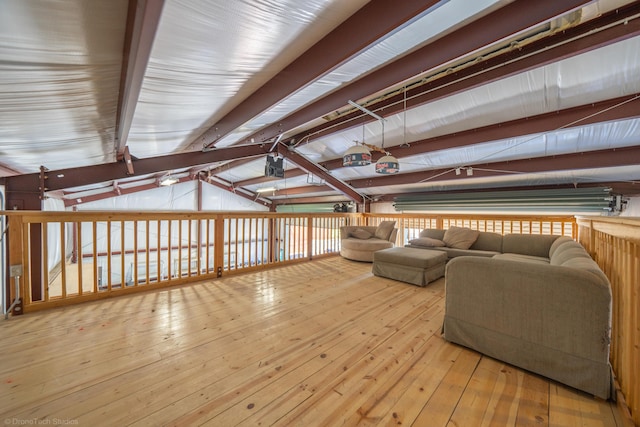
x=15 y=257
x=218 y=245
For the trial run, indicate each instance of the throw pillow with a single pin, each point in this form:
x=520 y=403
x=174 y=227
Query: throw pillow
x=460 y=237
x=359 y=233
x=384 y=230
x=427 y=242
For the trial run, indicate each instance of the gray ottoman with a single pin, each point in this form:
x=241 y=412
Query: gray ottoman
x=411 y=265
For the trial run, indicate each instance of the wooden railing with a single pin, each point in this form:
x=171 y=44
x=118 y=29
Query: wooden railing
x=69 y=257
x=614 y=243
x=409 y=226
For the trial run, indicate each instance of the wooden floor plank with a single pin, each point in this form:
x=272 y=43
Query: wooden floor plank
x=568 y=407
x=533 y=409
x=318 y=343
x=443 y=400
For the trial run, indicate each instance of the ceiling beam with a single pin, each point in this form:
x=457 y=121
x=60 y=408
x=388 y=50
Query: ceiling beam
x=254 y=197
x=622 y=108
x=116 y=190
x=585 y=160
x=289 y=173
x=142 y=23
x=609 y=28
x=307 y=200
x=307 y=165
x=293 y=191
x=502 y=23
x=373 y=21
x=86 y=175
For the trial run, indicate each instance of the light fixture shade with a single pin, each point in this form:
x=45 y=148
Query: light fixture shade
x=358 y=155
x=387 y=165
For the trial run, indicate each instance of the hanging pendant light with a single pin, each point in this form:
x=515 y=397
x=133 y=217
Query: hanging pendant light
x=358 y=155
x=387 y=165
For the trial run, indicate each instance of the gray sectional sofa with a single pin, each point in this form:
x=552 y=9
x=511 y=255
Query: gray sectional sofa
x=534 y=301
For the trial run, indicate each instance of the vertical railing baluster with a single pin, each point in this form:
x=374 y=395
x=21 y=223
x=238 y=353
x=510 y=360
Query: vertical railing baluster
x=63 y=258
x=45 y=260
x=79 y=255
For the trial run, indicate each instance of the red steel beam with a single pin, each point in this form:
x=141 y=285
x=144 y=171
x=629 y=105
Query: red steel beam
x=585 y=160
x=76 y=177
x=289 y=173
x=242 y=193
x=593 y=34
x=372 y=22
x=502 y=23
x=313 y=168
x=143 y=19
x=622 y=108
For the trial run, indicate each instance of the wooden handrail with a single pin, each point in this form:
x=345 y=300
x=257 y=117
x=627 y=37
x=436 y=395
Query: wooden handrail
x=122 y=251
x=614 y=243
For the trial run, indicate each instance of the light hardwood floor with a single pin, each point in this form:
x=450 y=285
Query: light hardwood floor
x=322 y=343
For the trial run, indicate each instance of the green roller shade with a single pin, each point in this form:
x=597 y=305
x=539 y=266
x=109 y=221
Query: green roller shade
x=309 y=207
x=572 y=200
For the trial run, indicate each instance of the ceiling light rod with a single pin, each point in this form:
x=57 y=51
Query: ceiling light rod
x=369 y=112
x=275 y=142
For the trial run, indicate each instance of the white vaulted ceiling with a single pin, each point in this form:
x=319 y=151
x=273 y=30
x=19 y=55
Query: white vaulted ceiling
x=528 y=95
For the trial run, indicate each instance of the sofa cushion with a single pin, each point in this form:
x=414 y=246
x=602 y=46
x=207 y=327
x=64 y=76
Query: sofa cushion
x=488 y=241
x=528 y=244
x=384 y=230
x=434 y=233
x=460 y=237
x=361 y=234
x=427 y=242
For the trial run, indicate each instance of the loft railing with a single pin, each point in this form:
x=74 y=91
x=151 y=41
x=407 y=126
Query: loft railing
x=69 y=257
x=614 y=243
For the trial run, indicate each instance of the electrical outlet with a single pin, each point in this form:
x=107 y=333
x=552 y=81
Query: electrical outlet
x=15 y=270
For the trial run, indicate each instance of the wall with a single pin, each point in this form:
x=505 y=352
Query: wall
x=633 y=207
